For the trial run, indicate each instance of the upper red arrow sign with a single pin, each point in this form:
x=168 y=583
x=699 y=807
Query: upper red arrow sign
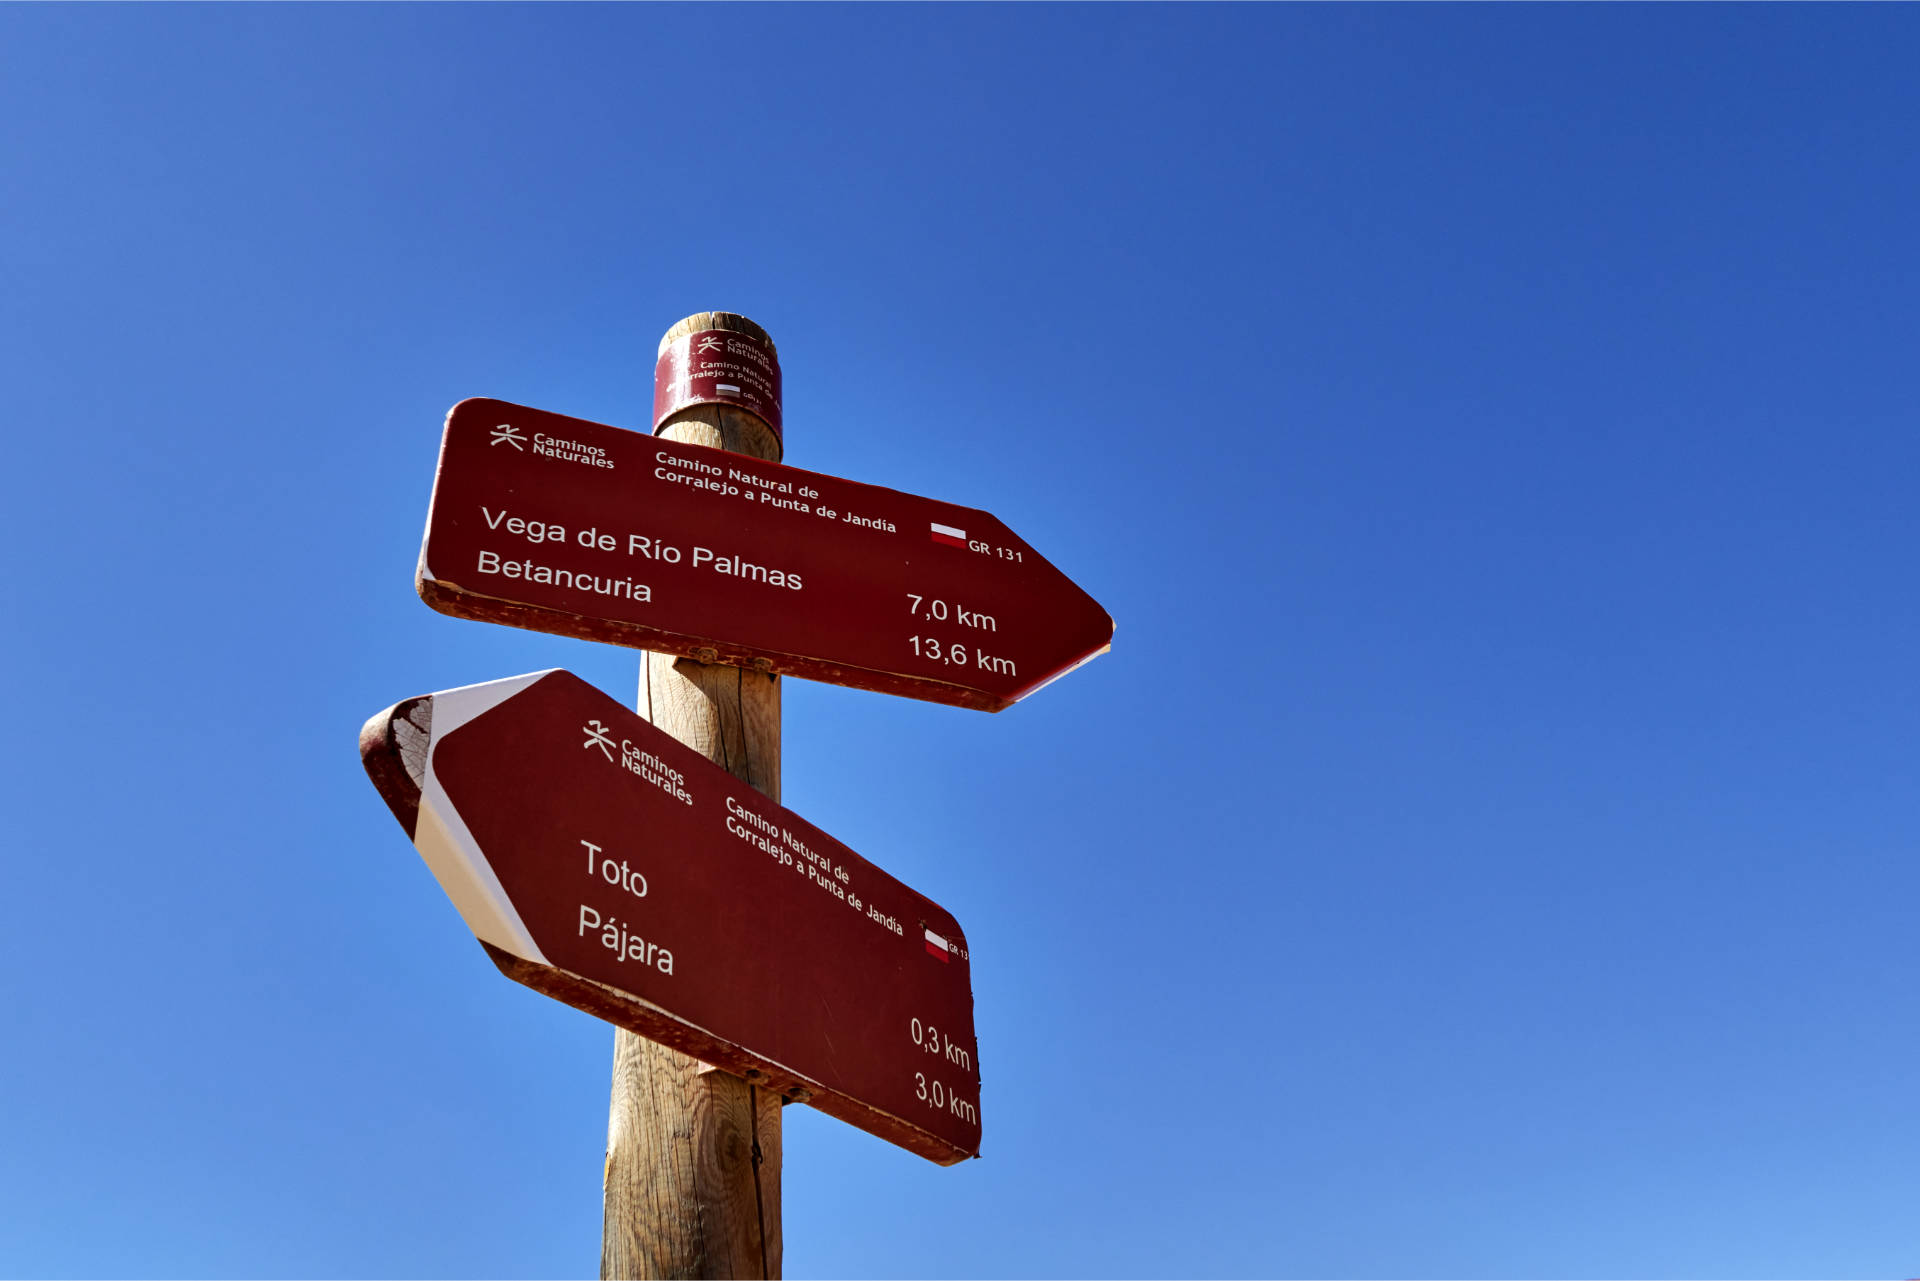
x=620 y=871
x=575 y=527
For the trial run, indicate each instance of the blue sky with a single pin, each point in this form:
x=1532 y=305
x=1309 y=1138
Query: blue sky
x=1488 y=850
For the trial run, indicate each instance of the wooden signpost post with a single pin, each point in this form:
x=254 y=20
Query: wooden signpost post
x=746 y=957
x=692 y=1184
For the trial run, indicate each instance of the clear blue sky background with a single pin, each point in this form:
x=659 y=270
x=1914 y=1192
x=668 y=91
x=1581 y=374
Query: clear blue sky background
x=1489 y=849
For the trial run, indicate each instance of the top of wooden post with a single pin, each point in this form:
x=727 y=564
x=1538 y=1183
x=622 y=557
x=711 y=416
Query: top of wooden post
x=699 y=320
x=724 y=424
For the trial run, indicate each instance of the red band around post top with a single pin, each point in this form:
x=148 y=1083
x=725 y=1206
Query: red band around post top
x=718 y=367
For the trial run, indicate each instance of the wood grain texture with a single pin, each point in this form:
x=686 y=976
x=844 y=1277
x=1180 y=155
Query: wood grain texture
x=680 y=1198
x=680 y=1195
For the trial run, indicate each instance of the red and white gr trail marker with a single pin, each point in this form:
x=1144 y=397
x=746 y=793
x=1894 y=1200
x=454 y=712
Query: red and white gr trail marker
x=607 y=865
x=600 y=533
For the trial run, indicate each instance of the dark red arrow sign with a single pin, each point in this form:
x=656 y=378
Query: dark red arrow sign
x=603 y=863
x=574 y=527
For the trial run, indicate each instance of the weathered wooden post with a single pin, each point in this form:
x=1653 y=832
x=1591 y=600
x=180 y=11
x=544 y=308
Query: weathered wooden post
x=693 y=1153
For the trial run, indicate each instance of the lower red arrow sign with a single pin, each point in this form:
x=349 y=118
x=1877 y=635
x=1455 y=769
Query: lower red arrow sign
x=605 y=864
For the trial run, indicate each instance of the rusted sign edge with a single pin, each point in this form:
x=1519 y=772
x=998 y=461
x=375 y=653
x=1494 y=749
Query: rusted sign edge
x=393 y=750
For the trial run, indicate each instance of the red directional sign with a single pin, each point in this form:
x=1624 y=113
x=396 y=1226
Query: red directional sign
x=603 y=863
x=575 y=527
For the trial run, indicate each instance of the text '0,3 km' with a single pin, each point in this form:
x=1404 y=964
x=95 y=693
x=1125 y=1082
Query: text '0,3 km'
x=607 y=865
x=597 y=532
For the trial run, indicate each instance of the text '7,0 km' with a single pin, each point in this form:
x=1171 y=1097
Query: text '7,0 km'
x=568 y=526
x=607 y=865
